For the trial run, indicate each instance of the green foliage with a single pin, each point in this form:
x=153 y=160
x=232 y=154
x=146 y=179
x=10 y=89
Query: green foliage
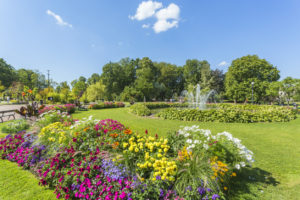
x=245 y=70
x=7 y=74
x=140 y=109
x=232 y=113
x=95 y=91
x=155 y=105
x=15 y=126
x=107 y=105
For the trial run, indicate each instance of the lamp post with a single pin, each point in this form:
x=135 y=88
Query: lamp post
x=252 y=83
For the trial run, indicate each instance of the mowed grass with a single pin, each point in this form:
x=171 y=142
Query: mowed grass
x=19 y=184
x=276 y=146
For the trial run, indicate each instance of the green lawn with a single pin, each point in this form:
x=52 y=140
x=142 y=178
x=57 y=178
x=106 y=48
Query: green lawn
x=275 y=174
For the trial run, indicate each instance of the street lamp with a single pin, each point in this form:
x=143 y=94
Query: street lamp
x=252 y=83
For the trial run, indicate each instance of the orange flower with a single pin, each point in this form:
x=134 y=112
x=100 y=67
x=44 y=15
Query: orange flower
x=86 y=129
x=115 y=145
x=23 y=94
x=128 y=132
x=30 y=91
x=114 y=135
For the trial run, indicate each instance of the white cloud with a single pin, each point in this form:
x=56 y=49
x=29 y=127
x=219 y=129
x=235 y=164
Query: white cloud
x=146 y=9
x=145 y=25
x=223 y=64
x=164 y=25
x=167 y=18
x=171 y=12
x=58 y=19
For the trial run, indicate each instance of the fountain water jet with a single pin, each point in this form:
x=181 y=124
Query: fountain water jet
x=196 y=99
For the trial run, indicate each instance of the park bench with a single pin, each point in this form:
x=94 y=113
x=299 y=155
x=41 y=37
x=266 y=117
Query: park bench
x=82 y=108
x=7 y=113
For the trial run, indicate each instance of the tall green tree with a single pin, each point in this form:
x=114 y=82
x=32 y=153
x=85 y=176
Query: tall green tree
x=7 y=73
x=245 y=70
x=196 y=72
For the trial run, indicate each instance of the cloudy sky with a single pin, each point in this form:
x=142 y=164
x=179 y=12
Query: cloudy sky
x=74 y=38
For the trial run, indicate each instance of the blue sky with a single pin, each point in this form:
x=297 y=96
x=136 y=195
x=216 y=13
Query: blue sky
x=90 y=33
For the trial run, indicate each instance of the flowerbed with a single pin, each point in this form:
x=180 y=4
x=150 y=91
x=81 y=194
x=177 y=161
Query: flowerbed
x=69 y=108
x=92 y=159
x=232 y=113
x=107 y=105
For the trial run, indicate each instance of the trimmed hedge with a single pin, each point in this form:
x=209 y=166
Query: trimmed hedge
x=107 y=105
x=155 y=105
x=232 y=113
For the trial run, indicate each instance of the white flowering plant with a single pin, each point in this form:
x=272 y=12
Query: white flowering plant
x=223 y=145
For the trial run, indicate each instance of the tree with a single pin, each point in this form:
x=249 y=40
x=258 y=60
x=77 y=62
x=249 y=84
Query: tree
x=7 y=74
x=78 y=89
x=145 y=78
x=272 y=92
x=93 y=79
x=217 y=81
x=196 y=72
x=290 y=88
x=249 y=69
x=96 y=91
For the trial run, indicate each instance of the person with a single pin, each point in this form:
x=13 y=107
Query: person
x=7 y=99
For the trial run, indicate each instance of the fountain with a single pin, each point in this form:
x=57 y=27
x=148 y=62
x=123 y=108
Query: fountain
x=196 y=99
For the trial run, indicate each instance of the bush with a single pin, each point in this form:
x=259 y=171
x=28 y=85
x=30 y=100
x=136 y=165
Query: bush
x=140 y=109
x=155 y=105
x=107 y=105
x=15 y=126
x=232 y=113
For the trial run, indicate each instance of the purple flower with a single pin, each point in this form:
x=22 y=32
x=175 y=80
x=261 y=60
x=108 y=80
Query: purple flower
x=215 y=196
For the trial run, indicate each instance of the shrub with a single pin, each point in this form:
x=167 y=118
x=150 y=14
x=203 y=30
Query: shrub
x=140 y=109
x=15 y=126
x=107 y=105
x=232 y=113
x=155 y=105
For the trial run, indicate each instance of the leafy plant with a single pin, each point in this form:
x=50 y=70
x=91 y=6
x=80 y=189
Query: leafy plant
x=140 y=110
x=15 y=126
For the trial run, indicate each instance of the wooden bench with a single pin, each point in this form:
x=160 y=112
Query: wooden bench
x=7 y=113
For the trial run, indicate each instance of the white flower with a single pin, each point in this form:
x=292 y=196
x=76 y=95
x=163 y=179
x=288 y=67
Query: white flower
x=196 y=142
x=243 y=164
x=237 y=166
x=189 y=141
x=205 y=146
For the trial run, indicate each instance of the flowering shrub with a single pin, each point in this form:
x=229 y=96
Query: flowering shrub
x=69 y=108
x=107 y=105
